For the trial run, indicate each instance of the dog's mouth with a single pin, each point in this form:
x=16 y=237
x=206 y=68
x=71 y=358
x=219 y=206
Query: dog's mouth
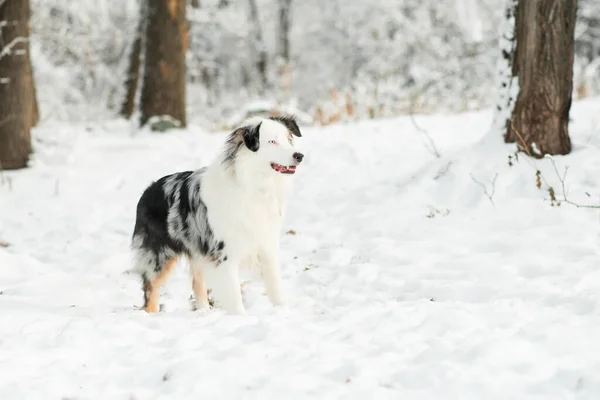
x=284 y=169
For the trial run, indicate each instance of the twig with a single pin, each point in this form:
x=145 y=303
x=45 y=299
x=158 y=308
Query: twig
x=427 y=140
x=564 y=192
x=443 y=170
x=523 y=144
x=485 y=189
x=64 y=329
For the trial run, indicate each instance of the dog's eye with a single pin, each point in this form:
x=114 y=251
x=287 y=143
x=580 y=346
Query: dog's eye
x=272 y=142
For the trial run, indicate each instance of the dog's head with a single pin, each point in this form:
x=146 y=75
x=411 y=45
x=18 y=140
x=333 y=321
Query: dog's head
x=267 y=144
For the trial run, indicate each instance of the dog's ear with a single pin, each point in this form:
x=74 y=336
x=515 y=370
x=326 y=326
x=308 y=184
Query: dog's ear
x=290 y=124
x=251 y=136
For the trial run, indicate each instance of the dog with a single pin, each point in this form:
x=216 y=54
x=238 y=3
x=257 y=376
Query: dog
x=220 y=217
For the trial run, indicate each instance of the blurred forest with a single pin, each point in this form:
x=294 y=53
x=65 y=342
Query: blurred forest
x=332 y=60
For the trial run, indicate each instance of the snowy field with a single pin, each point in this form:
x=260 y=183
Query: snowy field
x=404 y=280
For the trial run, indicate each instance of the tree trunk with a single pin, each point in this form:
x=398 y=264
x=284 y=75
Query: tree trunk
x=163 y=87
x=17 y=99
x=284 y=30
x=35 y=112
x=544 y=57
x=133 y=72
x=259 y=43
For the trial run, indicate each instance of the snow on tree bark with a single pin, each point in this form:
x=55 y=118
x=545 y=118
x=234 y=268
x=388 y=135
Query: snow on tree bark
x=18 y=108
x=507 y=73
x=544 y=64
x=163 y=85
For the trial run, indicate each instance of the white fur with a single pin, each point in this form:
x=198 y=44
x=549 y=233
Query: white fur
x=245 y=205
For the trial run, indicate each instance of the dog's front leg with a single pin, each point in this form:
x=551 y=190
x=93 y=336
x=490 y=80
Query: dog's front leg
x=224 y=282
x=271 y=274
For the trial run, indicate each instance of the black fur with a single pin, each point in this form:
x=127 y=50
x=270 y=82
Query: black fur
x=251 y=135
x=290 y=124
x=146 y=288
x=151 y=220
x=172 y=220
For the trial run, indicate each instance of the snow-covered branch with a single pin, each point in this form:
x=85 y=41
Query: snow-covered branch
x=7 y=50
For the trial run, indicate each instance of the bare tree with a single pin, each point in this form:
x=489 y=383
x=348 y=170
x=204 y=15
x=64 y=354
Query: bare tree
x=163 y=82
x=133 y=71
x=284 y=65
x=18 y=106
x=285 y=13
x=261 y=63
x=544 y=64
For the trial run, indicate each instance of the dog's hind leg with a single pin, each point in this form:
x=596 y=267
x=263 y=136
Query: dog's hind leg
x=224 y=282
x=198 y=285
x=152 y=287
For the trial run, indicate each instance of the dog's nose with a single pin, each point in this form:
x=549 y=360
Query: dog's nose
x=298 y=157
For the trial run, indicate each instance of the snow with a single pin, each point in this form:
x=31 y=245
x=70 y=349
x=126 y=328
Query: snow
x=404 y=280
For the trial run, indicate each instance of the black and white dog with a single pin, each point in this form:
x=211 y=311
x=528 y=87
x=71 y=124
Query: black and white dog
x=220 y=217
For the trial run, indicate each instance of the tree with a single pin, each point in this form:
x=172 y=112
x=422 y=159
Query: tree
x=285 y=8
x=283 y=46
x=18 y=105
x=259 y=43
x=544 y=66
x=163 y=82
x=133 y=71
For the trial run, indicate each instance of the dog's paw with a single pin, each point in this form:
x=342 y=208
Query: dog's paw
x=277 y=299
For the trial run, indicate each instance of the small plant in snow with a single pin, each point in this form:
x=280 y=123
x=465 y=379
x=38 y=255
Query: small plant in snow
x=540 y=180
x=513 y=158
x=433 y=212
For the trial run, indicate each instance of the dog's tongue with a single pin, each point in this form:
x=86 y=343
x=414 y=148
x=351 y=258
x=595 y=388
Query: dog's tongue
x=284 y=169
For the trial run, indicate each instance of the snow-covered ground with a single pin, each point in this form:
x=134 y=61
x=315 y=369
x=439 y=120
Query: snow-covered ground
x=404 y=280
